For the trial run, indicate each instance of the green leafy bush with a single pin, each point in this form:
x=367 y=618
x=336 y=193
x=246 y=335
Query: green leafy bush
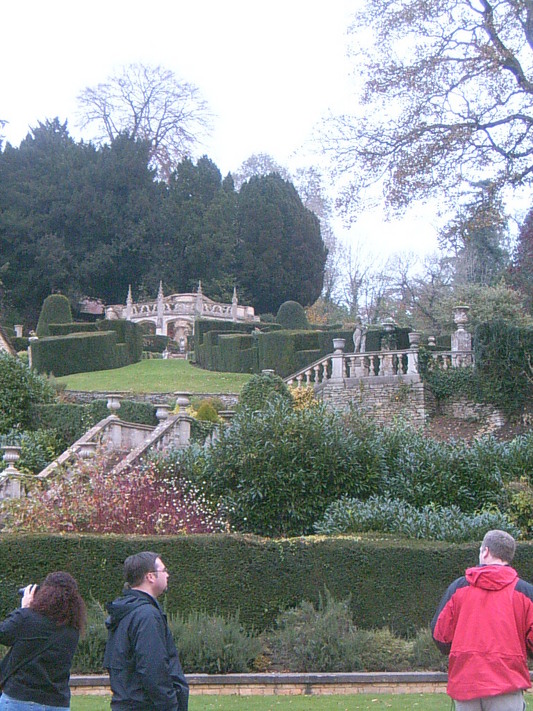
x=432 y=523
x=38 y=449
x=213 y=644
x=261 y=390
x=277 y=469
x=19 y=388
x=421 y=470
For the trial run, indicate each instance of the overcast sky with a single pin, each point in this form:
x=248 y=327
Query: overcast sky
x=269 y=72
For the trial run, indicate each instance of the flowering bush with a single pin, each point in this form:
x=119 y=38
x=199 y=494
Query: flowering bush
x=92 y=499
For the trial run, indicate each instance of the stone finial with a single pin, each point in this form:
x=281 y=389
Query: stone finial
x=199 y=290
x=160 y=292
x=235 y=300
x=129 y=298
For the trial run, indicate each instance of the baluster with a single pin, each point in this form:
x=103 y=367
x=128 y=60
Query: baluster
x=318 y=379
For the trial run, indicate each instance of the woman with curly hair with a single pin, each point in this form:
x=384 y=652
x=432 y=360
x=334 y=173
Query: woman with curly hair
x=43 y=635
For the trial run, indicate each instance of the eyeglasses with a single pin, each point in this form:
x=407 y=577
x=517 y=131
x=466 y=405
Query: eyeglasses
x=161 y=570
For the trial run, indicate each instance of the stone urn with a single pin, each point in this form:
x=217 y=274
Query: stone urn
x=162 y=411
x=87 y=450
x=460 y=316
x=113 y=402
x=182 y=401
x=339 y=344
x=11 y=455
x=414 y=339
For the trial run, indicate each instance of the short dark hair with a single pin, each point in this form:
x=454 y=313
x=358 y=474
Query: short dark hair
x=136 y=566
x=501 y=545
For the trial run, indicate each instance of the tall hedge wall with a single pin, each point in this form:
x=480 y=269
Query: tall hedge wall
x=114 y=344
x=75 y=353
x=64 y=329
x=395 y=583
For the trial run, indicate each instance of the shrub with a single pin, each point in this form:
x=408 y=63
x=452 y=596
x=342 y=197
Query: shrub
x=424 y=653
x=291 y=315
x=19 y=388
x=38 y=449
x=55 y=309
x=207 y=412
x=382 y=650
x=89 y=655
x=421 y=470
x=91 y=498
x=261 y=390
x=323 y=638
x=213 y=644
x=520 y=507
x=433 y=523
x=303 y=398
x=276 y=470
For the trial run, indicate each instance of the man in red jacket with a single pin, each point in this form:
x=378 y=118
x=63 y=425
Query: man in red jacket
x=485 y=623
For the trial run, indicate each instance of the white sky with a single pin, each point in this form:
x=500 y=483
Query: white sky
x=268 y=70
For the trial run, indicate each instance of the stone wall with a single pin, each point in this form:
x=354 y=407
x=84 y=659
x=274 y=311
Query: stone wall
x=385 y=398
x=83 y=397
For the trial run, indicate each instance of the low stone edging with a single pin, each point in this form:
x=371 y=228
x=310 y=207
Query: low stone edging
x=291 y=684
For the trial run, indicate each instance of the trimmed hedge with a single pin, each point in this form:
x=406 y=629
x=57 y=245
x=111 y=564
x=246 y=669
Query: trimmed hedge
x=221 y=345
x=76 y=353
x=65 y=329
x=72 y=420
x=391 y=583
x=115 y=344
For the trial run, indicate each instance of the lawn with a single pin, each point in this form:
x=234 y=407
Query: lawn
x=357 y=702
x=157 y=376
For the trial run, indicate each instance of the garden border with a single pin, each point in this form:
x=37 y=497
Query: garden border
x=291 y=684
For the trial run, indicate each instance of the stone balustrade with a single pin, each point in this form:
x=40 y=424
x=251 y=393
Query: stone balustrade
x=134 y=440
x=339 y=366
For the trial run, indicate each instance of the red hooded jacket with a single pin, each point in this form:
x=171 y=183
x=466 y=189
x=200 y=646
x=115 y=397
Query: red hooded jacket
x=485 y=623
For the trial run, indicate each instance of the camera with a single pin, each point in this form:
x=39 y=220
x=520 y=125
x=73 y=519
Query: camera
x=21 y=590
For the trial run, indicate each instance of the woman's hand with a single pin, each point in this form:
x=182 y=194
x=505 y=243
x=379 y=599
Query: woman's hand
x=27 y=598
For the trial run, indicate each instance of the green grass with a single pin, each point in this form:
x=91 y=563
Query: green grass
x=348 y=702
x=157 y=376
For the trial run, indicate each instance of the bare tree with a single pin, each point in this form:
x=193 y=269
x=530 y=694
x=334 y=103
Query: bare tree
x=151 y=104
x=258 y=164
x=447 y=96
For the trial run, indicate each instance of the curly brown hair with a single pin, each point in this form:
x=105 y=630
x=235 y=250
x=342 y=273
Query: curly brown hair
x=58 y=599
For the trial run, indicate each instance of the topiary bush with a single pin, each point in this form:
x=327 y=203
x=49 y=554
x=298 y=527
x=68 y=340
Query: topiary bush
x=291 y=315
x=55 y=309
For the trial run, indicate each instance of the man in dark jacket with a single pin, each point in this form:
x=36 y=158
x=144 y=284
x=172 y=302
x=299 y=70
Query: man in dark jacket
x=141 y=657
x=485 y=623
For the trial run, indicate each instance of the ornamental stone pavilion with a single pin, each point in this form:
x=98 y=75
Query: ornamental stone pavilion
x=174 y=315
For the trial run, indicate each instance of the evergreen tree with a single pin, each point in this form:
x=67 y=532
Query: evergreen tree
x=280 y=253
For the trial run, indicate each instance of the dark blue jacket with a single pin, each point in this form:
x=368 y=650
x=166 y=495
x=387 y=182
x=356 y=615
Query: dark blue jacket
x=44 y=679
x=141 y=657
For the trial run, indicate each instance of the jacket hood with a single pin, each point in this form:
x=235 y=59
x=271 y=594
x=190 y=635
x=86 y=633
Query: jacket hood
x=122 y=606
x=491 y=577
